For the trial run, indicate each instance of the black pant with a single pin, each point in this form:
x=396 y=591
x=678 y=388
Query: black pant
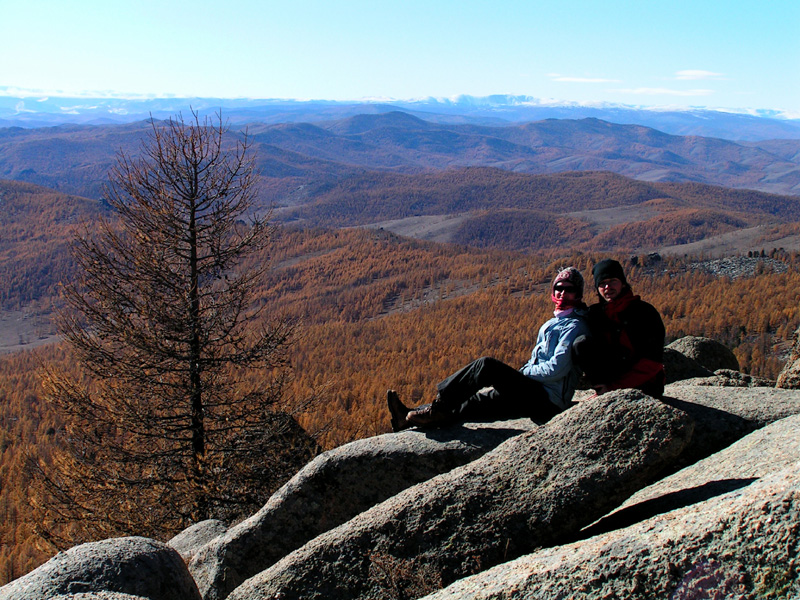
x=514 y=395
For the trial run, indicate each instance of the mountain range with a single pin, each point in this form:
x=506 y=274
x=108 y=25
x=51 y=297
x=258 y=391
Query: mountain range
x=75 y=158
x=517 y=186
x=498 y=110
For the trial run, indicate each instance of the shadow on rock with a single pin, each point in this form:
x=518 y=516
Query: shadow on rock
x=672 y=501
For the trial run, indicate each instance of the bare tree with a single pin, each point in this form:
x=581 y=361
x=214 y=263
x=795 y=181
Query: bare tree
x=170 y=426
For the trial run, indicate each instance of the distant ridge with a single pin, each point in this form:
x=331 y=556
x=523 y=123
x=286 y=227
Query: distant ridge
x=496 y=109
x=293 y=156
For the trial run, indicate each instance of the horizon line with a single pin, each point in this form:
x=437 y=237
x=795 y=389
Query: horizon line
x=522 y=100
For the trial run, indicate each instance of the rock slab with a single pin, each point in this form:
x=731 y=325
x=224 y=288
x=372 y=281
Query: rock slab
x=724 y=415
x=336 y=486
x=129 y=566
x=790 y=375
x=529 y=492
x=708 y=353
x=743 y=544
x=190 y=540
x=760 y=454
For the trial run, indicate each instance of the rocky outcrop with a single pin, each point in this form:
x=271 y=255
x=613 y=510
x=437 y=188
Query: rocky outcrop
x=99 y=596
x=723 y=417
x=189 y=541
x=789 y=377
x=728 y=378
x=679 y=367
x=741 y=545
x=755 y=406
x=531 y=491
x=335 y=487
x=128 y=567
x=728 y=527
x=706 y=352
x=773 y=448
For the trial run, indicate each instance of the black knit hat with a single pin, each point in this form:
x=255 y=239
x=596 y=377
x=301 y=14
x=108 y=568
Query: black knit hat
x=608 y=269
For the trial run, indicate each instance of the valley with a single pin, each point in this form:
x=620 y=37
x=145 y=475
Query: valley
x=23 y=330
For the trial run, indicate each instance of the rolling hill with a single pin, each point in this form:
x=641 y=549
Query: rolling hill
x=291 y=156
x=483 y=208
x=36 y=226
x=492 y=208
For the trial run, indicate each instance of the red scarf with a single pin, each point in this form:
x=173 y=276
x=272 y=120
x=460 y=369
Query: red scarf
x=613 y=310
x=565 y=303
x=619 y=304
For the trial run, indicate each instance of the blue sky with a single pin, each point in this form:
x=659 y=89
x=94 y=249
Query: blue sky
x=717 y=54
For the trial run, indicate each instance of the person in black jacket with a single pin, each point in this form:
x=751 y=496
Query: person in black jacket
x=625 y=348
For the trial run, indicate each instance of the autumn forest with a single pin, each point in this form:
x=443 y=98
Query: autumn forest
x=380 y=311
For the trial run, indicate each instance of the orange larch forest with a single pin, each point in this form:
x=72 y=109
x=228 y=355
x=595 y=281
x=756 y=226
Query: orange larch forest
x=382 y=311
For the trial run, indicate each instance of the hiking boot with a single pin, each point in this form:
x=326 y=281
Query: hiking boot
x=427 y=415
x=398 y=411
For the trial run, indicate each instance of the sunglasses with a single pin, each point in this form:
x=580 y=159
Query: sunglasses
x=563 y=288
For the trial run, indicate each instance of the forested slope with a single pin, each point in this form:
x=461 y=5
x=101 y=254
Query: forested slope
x=380 y=311
x=515 y=211
x=36 y=224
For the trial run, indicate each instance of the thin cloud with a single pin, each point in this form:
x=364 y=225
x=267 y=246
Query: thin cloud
x=665 y=92
x=42 y=95
x=567 y=79
x=697 y=74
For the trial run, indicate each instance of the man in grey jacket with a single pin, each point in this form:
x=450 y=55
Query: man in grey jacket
x=488 y=389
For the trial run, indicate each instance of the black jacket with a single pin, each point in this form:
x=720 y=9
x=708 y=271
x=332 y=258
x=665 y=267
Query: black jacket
x=630 y=346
